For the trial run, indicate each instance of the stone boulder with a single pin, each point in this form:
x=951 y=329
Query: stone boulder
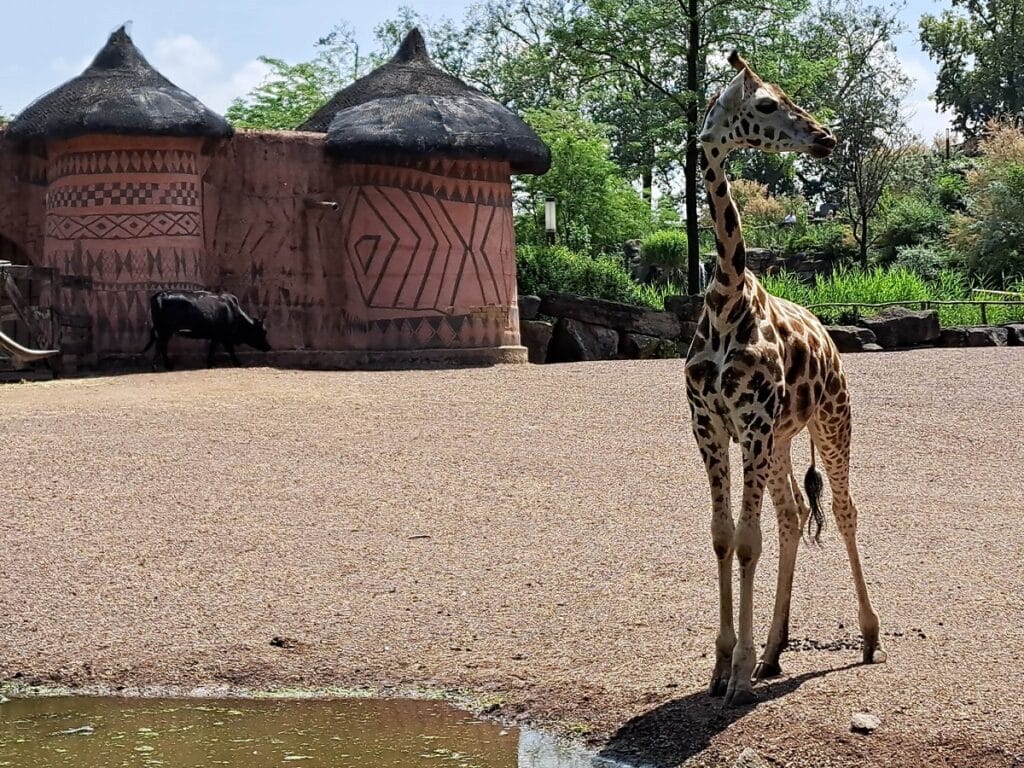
x=536 y=336
x=689 y=330
x=978 y=336
x=897 y=327
x=624 y=318
x=576 y=341
x=638 y=346
x=1015 y=334
x=686 y=308
x=529 y=307
x=850 y=338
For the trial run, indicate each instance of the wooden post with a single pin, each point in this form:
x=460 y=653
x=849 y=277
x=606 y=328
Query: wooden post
x=984 y=314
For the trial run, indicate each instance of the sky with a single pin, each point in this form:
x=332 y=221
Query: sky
x=211 y=47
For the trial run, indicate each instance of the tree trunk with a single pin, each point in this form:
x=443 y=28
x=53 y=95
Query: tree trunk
x=648 y=183
x=691 y=167
x=864 y=242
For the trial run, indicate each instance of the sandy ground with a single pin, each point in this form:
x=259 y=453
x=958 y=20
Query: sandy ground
x=537 y=536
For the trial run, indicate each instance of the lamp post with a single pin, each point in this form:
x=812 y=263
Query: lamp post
x=550 y=227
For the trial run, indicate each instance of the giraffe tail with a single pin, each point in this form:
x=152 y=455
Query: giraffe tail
x=813 y=486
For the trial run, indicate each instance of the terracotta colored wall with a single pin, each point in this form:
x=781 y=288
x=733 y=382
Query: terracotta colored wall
x=22 y=200
x=266 y=246
x=415 y=257
x=123 y=215
x=430 y=249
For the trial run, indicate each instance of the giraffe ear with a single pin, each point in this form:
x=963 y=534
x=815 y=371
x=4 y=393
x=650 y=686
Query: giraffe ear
x=733 y=94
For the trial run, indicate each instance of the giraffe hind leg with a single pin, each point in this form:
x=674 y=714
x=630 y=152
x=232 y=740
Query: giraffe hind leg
x=791 y=513
x=830 y=432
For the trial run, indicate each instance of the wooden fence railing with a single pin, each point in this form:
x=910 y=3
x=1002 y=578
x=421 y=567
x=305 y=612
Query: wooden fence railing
x=925 y=304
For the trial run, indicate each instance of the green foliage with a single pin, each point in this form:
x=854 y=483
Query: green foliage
x=878 y=286
x=991 y=233
x=981 y=73
x=908 y=219
x=951 y=191
x=830 y=238
x=665 y=248
x=597 y=209
x=557 y=268
x=923 y=260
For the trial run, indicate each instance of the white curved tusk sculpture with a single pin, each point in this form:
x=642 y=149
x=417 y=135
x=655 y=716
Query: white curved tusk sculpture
x=24 y=354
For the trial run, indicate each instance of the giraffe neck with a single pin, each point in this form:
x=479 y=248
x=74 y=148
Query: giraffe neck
x=730 y=276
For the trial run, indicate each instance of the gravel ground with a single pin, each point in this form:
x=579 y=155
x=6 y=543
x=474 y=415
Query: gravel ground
x=538 y=536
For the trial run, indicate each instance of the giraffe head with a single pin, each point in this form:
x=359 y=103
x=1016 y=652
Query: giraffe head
x=751 y=113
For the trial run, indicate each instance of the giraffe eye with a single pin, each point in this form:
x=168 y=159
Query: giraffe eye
x=767 y=106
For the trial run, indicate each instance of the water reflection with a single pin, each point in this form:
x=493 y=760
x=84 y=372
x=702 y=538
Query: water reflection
x=85 y=732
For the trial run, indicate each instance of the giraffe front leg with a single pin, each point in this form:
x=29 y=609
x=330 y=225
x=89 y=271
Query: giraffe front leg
x=714 y=449
x=757 y=452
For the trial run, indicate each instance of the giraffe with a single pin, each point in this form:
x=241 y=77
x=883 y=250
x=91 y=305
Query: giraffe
x=761 y=369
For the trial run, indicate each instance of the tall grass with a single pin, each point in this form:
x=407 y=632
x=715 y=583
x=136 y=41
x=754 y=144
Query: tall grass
x=878 y=286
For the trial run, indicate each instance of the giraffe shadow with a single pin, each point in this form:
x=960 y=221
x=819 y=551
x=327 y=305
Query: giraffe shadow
x=677 y=730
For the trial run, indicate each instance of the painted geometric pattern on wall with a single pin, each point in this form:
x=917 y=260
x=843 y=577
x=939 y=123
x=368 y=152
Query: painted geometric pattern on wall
x=123 y=193
x=124 y=225
x=414 y=250
x=124 y=161
x=139 y=268
x=431 y=332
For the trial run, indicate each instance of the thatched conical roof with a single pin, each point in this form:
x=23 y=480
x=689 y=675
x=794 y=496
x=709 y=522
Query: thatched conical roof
x=120 y=92
x=410 y=107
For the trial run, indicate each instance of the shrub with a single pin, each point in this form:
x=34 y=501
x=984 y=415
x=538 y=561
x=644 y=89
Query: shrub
x=556 y=268
x=665 y=248
x=832 y=238
x=991 y=232
x=908 y=219
x=951 y=189
x=923 y=260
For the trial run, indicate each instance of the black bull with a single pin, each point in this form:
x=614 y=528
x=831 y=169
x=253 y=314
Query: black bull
x=203 y=315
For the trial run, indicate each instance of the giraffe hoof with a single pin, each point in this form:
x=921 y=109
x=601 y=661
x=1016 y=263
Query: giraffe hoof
x=875 y=656
x=741 y=697
x=766 y=669
x=719 y=686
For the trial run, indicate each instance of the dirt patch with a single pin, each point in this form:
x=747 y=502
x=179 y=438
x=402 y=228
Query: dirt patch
x=536 y=535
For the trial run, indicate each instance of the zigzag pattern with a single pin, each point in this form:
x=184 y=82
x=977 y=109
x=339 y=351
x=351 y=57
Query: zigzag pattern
x=124 y=161
x=124 y=225
x=429 y=332
x=409 y=250
x=478 y=191
x=164 y=267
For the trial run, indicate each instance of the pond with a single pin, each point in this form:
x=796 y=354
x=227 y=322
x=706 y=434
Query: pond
x=94 y=732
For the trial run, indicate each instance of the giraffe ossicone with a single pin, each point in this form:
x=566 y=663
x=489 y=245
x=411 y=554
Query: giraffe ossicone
x=760 y=370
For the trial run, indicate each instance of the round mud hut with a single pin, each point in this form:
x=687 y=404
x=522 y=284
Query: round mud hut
x=125 y=152
x=423 y=167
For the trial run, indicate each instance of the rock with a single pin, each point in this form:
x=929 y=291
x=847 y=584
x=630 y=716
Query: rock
x=871 y=348
x=575 y=340
x=955 y=336
x=84 y=730
x=689 y=330
x=280 y=641
x=529 y=307
x=536 y=337
x=897 y=327
x=977 y=336
x=1015 y=334
x=850 y=338
x=632 y=250
x=637 y=346
x=624 y=318
x=686 y=308
x=748 y=758
x=863 y=722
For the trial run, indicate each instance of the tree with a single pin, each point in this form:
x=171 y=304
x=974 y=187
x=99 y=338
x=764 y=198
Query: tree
x=653 y=59
x=981 y=61
x=867 y=173
x=292 y=92
x=597 y=208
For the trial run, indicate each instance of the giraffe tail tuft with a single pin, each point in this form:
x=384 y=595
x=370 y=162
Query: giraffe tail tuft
x=813 y=486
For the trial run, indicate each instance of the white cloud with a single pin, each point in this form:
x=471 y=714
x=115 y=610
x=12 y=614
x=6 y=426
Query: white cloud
x=195 y=66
